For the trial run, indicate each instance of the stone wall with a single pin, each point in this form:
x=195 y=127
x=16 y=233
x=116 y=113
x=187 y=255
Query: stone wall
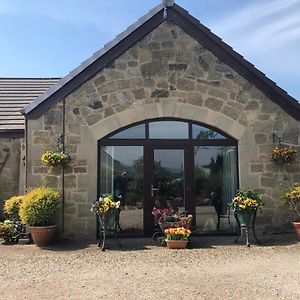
x=167 y=74
x=10 y=165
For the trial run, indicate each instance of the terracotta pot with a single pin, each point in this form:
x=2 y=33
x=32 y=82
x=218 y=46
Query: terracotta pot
x=42 y=236
x=177 y=244
x=297 y=229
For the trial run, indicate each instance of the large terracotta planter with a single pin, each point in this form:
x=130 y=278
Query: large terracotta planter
x=42 y=236
x=297 y=229
x=177 y=244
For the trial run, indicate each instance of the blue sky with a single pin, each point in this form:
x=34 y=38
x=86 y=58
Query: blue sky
x=50 y=38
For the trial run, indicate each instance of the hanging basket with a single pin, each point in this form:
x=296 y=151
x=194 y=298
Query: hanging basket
x=283 y=155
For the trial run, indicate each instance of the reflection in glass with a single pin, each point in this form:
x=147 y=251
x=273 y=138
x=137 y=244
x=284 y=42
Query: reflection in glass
x=168 y=130
x=200 y=133
x=169 y=178
x=215 y=186
x=122 y=175
x=136 y=132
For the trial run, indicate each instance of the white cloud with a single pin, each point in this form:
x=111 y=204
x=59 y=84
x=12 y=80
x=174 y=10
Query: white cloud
x=267 y=33
x=253 y=13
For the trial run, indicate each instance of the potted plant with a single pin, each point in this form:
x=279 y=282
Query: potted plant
x=106 y=208
x=292 y=198
x=11 y=229
x=55 y=158
x=169 y=217
x=177 y=238
x=283 y=155
x=245 y=204
x=107 y=211
x=38 y=210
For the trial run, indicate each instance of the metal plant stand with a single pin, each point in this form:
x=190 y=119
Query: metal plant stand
x=246 y=221
x=108 y=225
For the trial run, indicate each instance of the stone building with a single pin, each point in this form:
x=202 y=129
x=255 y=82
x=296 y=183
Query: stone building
x=15 y=93
x=169 y=113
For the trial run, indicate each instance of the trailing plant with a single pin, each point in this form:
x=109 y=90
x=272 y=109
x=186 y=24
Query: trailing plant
x=39 y=207
x=292 y=198
x=246 y=199
x=11 y=208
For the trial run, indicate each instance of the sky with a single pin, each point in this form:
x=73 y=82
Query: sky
x=40 y=38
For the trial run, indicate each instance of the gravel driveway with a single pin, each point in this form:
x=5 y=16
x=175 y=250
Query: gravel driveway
x=215 y=268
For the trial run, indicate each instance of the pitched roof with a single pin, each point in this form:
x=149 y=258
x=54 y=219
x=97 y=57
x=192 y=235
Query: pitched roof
x=15 y=93
x=140 y=29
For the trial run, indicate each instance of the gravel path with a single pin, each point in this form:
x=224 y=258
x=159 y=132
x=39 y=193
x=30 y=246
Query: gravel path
x=214 y=268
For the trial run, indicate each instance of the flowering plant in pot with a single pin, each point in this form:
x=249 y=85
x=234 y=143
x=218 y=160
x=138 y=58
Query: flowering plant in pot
x=177 y=237
x=107 y=209
x=55 y=158
x=38 y=210
x=292 y=198
x=245 y=204
x=10 y=231
x=170 y=218
x=165 y=214
x=12 y=228
x=283 y=155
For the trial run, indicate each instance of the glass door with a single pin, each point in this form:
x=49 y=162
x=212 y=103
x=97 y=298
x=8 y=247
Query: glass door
x=168 y=188
x=168 y=181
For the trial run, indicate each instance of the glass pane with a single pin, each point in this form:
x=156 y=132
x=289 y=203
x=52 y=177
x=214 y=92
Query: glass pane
x=122 y=174
x=136 y=132
x=168 y=130
x=169 y=178
x=215 y=186
x=200 y=133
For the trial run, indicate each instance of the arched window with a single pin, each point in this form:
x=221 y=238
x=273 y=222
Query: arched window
x=142 y=162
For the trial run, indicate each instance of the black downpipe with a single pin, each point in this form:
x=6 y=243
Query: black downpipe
x=63 y=171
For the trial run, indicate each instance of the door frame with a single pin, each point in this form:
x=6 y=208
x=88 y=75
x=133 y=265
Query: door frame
x=149 y=178
x=150 y=144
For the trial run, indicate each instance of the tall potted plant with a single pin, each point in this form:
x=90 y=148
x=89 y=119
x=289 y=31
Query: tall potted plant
x=245 y=204
x=38 y=211
x=292 y=198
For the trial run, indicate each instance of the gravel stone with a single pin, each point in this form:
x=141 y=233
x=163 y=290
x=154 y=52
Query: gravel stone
x=213 y=268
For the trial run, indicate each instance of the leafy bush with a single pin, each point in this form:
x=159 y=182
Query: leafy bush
x=39 y=207
x=11 y=208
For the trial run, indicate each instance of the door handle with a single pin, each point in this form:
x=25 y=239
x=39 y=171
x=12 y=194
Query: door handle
x=153 y=189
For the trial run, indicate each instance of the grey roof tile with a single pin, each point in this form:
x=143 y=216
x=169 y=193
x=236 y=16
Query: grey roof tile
x=15 y=94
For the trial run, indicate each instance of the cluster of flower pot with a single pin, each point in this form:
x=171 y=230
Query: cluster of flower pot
x=37 y=209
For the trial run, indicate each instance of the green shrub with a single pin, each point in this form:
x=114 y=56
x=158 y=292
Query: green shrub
x=11 y=208
x=39 y=207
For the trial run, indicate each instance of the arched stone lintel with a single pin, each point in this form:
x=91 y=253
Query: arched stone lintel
x=168 y=108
